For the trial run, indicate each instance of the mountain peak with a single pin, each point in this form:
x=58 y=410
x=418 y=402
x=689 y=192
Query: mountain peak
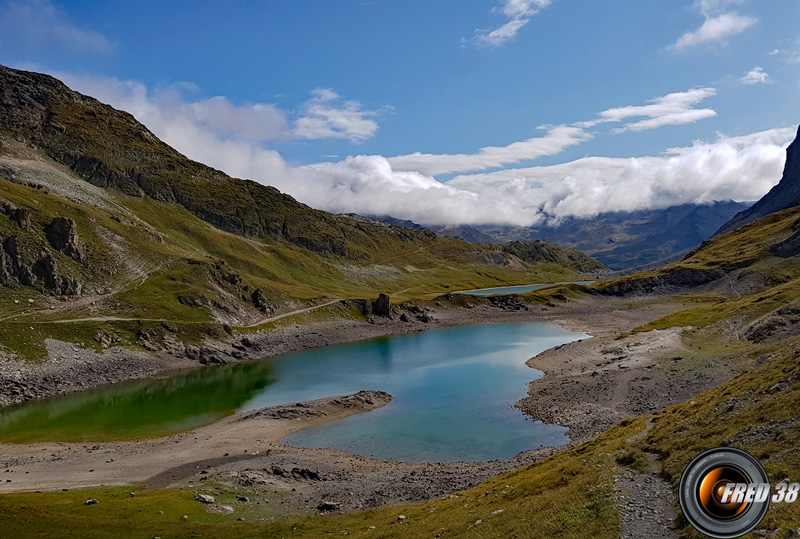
x=784 y=195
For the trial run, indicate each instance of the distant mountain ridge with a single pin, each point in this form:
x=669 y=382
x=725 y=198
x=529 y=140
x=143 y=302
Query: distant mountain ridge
x=785 y=194
x=620 y=240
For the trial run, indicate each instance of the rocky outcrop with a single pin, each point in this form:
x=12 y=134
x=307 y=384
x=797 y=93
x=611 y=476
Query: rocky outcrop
x=784 y=195
x=670 y=280
x=382 y=306
x=62 y=234
x=21 y=216
x=13 y=266
x=790 y=246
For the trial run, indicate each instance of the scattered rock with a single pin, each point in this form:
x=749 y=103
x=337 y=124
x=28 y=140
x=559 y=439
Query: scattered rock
x=327 y=506
x=91 y=501
x=205 y=498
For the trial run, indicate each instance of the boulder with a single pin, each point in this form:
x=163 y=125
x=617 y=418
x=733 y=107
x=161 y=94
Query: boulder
x=205 y=498
x=326 y=507
x=259 y=300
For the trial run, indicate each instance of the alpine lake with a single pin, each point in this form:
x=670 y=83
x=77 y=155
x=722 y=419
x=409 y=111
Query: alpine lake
x=453 y=392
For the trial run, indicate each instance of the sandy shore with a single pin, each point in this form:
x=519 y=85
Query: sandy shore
x=158 y=463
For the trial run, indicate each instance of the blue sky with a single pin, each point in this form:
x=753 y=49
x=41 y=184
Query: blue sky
x=441 y=111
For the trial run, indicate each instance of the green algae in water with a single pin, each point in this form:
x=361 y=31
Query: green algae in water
x=145 y=408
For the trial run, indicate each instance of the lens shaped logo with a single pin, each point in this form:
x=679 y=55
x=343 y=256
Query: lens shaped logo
x=724 y=493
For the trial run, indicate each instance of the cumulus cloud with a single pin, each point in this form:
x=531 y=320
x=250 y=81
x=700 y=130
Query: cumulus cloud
x=518 y=13
x=39 y=24
x=326 y=115
x=757 y=75
x=719 y=24
x=208 y=131
x=741 y=168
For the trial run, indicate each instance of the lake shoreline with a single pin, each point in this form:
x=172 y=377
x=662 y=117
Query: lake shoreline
x=71 y=368
x=370 y=482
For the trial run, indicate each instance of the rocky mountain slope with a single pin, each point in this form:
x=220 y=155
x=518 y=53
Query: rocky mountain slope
x=785 y=194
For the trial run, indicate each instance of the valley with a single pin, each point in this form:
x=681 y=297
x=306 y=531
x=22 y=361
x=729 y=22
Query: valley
x=154 y=300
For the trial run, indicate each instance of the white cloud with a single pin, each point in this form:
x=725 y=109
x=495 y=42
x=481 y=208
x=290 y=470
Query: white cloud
x=203 y=130
x=739 y=168
x=557 y=139
x=743 y=168
x=518 y=12
x=39 y=24
x=325 y=115
x=719 y=24
x=672 y=109
x=757 y=75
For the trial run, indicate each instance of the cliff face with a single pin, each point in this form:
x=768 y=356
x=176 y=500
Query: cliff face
x=784 y=195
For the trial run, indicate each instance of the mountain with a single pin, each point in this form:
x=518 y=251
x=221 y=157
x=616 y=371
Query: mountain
x=620 y=240
x=464 y=232
x=785 y=194
x=99 y=219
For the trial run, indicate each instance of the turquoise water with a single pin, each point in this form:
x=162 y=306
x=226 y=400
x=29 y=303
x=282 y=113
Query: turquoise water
x=520 y=289
x=453 y=390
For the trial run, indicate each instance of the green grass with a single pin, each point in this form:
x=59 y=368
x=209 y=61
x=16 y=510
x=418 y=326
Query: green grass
x=156 y=513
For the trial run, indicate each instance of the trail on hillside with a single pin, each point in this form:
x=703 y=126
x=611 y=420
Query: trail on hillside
x=292 y=313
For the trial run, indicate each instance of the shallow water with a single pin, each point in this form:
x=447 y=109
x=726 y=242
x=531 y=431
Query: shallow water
x=519 y=289
x=453 y=390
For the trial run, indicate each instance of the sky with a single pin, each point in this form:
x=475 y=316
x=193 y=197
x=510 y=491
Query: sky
x=441 y=111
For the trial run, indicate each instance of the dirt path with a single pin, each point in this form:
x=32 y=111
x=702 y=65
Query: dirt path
x=645 y=505
x=292 y=313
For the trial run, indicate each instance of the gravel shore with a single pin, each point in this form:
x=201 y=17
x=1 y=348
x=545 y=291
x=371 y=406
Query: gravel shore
x=589 y=386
